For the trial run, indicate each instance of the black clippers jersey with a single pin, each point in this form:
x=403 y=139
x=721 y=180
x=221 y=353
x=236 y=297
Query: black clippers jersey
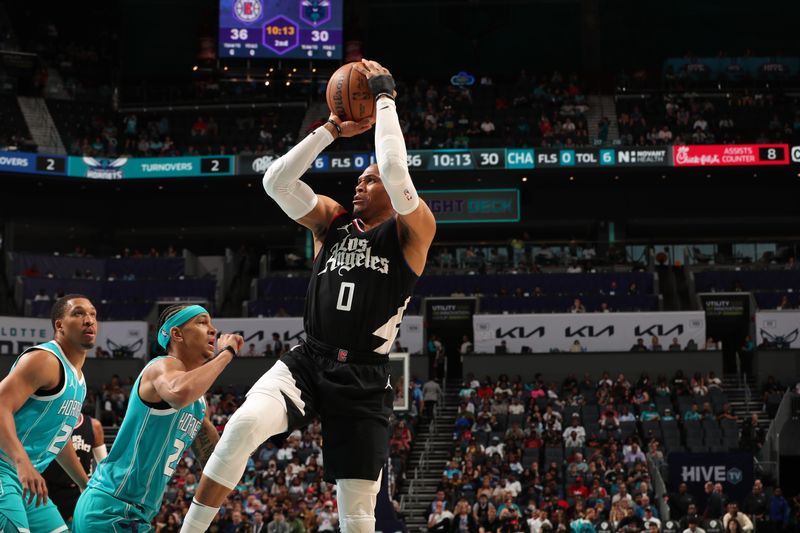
x=360 y=287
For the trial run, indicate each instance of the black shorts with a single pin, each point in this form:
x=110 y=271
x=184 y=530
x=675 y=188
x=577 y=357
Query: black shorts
x=353 y=397
x=65 y=498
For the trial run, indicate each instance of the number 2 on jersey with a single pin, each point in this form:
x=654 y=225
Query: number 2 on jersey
x=346 y=290
x=60 y=438
x=172 y=460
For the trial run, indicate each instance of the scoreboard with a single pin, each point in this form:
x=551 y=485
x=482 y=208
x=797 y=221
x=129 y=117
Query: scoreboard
x=291 y=29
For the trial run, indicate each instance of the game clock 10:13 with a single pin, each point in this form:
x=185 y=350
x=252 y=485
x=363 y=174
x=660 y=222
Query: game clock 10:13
x=288 y=29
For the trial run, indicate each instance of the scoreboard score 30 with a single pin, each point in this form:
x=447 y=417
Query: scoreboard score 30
x=291 y=29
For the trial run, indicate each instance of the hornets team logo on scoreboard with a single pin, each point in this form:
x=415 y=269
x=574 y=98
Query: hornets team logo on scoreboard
x=315 y=12
x=248 y=10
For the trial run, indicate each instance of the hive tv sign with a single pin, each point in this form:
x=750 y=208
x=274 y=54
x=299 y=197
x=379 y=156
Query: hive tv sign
x=715 y=474
x=733 y=470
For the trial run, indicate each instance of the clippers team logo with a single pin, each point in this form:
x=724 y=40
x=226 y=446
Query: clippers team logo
x=315 y=12
x=352 y=252
x=342 y=356
x=247 y=10
x=105 y=169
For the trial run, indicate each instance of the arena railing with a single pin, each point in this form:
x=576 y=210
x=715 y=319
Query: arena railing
x=769 y=456
x=659 y=488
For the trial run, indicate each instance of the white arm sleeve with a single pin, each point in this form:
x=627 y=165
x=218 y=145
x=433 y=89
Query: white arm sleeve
x=99 y=452
x=390 y=151
x=282 y=179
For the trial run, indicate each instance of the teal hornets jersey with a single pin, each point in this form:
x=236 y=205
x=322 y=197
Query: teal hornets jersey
x=146 y=450
x=44 y=423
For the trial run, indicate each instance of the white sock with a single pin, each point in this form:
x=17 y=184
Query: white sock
x=198 y=518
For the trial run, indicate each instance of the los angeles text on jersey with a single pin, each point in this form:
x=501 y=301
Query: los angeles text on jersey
x=189 y=425
x=70 y=408
x=354 y=252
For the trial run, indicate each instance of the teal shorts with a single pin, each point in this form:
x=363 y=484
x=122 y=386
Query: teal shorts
x=99 y=512
x=18 y=516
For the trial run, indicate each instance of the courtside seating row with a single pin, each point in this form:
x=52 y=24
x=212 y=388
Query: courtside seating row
x=65 y=267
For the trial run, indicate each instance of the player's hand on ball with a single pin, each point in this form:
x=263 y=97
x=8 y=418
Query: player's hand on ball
x=351 y=128
x=230 y=339
x=379 y=78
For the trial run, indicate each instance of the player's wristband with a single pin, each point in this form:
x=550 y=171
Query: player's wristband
x=381 y=85
x=229 y=348
x=337 y=127
x=387 y=95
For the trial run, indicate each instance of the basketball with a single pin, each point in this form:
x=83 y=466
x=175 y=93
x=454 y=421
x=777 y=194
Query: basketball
x=348 y=94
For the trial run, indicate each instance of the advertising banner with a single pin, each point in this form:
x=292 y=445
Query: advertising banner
x=734 y=470
x=596 y=332
x=150 y=167
x=730 y=155
x=259 y=331
x=254 y=164
x=644 y=156
x=728 y=313
x=124 y=339
x=473 y=205
x=778 y=328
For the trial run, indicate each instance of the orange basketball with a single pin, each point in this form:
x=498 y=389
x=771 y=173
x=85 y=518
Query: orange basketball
x=348 y=94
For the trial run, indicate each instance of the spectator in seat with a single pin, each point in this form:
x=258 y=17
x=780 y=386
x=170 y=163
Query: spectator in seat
x=480 y=510
x=756 y=503
x=463 y=521
x=440 y=520
x=650 y=519
x=577 y=306
x=680 y=502
x=577 y=428
x=691 y=346
x=490 y=523
x=693 y=527
x=779 y=509
x=711 y=345
x=691 y=513
x=714 y=502
x=655 y=345
x=578 y=489
x=634 y=455
x=649 y=412
x=630 y=523
x=675 y=346
x=693 y=413
x=734 y=514
x=626 y=415
x=639 y=346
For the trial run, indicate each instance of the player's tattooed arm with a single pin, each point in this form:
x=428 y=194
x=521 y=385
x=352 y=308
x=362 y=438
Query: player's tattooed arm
x=204 y=443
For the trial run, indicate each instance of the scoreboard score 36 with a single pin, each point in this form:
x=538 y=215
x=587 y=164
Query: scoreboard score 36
x=292 y=29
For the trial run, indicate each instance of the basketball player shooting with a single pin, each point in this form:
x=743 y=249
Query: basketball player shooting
x=365 y=268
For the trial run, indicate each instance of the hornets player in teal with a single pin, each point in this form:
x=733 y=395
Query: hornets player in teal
x=40 y=403
x=166 y=414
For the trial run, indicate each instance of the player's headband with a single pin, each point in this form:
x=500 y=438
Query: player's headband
x=177 y=320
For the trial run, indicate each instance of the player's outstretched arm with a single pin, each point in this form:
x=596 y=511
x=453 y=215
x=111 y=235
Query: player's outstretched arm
x=36 y=370
x=68 y=460
x=282 y=179
x=416 y=220
x=170 y=381
x=207 y=438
